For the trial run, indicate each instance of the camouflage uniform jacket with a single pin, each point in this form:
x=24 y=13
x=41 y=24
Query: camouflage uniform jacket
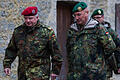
x=116 y=39
x=113 y=34
x=85 y=62
x=34 y=46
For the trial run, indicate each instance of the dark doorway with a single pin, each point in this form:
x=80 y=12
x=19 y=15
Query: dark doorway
x=117 y=18
x=64 y=20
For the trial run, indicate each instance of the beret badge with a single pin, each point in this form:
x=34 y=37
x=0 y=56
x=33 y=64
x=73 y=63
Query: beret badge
x=79 y=9
x=33 y=11
x=99 y=12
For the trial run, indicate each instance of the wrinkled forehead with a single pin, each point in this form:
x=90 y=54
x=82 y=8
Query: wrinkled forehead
x=79 y=12
x=29 y=16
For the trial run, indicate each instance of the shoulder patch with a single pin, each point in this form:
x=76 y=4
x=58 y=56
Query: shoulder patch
x=107 y=32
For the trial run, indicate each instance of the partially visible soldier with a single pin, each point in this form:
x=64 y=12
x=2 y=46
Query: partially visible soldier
x=85 y=62
x=114 y=60
x=34 y=43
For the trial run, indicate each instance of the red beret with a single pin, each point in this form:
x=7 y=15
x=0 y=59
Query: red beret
x=30 y=11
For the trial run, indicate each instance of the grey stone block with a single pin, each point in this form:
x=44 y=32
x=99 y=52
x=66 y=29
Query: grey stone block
x=4 y=13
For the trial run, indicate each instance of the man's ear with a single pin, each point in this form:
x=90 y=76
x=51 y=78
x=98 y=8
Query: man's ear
x=103 y=16
x=86 y=11
x=37 y=17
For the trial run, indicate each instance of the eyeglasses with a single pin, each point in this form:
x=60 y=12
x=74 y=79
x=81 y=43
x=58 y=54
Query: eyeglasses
x=97 y=17
x=76 y=15
x=79 y=14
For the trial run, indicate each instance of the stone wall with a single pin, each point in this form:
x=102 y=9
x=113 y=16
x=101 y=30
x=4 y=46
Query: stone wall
x=109 y=9
x=10 y=17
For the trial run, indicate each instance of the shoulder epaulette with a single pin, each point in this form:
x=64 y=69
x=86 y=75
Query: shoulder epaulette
x=50 y=28
x=47 y=27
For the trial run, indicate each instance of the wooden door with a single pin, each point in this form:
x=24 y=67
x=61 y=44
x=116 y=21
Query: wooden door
x=64 y=20
x=117 y=18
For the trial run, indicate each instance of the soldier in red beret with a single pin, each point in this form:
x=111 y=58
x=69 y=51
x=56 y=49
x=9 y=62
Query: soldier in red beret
x=33 y=43
x=30 y=16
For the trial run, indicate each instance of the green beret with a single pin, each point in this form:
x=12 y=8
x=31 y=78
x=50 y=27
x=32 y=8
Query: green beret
x=98 y=12
x=79 y=7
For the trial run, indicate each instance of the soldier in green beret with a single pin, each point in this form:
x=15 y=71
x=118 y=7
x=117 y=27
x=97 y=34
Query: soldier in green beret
x=85 y=61
x=36 y=46
x=113 y=61
x=98 y=13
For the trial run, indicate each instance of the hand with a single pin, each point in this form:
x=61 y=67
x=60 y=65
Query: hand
x=53 y=76
x=119 y=70
x=7 y=71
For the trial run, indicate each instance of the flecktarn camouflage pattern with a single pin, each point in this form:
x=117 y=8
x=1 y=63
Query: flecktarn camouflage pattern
x=34 y=46
x=85 y=60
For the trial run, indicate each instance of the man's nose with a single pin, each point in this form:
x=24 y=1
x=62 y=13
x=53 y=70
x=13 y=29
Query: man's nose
x=27 y=20
x=76 y=17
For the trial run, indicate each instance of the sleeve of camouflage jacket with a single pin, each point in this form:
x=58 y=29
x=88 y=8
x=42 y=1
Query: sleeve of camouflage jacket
x=117 y=42
x=10 y=53
x=70 y=40
x=106 y=40
x=114 y=36
x=55 y=53
x=69 y=44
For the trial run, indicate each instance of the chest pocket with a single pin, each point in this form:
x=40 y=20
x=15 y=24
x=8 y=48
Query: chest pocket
x=87 y=41
x=39 y=46
x=39 y=43
x=20 y=40
x=90 y=36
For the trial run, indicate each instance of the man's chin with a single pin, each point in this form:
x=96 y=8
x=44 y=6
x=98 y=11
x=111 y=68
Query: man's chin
x=79 y=23
x=29 y=25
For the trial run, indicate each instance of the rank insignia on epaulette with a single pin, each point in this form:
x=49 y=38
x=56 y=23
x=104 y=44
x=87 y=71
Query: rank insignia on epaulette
x=79 y=9
x=99 y=11
x=36 y=41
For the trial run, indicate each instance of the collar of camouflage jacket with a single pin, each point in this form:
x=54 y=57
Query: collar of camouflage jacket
x=106 y=24
x=90 y=24
x=29 y=29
